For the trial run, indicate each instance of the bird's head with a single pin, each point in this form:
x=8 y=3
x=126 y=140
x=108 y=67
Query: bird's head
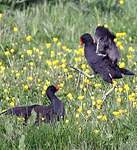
x=52 y=90
x=86 y=38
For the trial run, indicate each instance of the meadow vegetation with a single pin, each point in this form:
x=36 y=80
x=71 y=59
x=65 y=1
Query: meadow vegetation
x=37 y=42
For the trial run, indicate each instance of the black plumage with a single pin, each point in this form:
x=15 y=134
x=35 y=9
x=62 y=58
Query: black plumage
x=20 y=111
x=53 y=112
x=100 y=64
x=106 y=44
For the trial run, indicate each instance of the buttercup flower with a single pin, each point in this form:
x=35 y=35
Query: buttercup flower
x=28 y=38
x=69 y=96
x=15 y=29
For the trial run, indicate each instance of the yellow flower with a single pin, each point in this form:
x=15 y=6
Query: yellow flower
x=98 y=106
x=17 y=74
x=24 y=68
x=115 y=40
x=80 y=51
x=55 y=39
x=131 y=49
x=83 y=66
x=1 y=15
x=120 y=34
x=66 y=121
x=52 y=54
x=96 y=131
x=63 y=65
x=99 y=102
x=12 y=103
x=55 y=62
x=69 y=76
x=25 y=87
x=92 y=98
x=2 y=69
x=22 y=56
x=64 y=47
x=85 y=89
x=130 y=57
x=29 y=52
x=97 y=85
x=120 y=45
x=28 y=38
x=29 y=78
x=69 y=96
x=41 y=53
x=121 y=2
x=126 y=87
x=119 y=100
x=49 y=63
x=12 y=50
x=5 y=90
x=61 y=85
x=77 y=115
x=15 y=29
x=80 y=97
x=47 y=83
x=89 y=112
x=116 y=114
x=134 y=104
x=114 y=83
x=31 y=64
x=80 y=129
x=59 y=44
x=102 y=117
x=87 y=81
x=131 y=97
x=48 y=45
x=7 y=53
x=81 y=86
x=120 y=89
x=79 y=109
x=87 y=71
x=122 y=111
x=77 y=59
x=122 y=65
x=43 y=92
x=65 y=70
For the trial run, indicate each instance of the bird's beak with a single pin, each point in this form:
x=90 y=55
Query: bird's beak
x=81 y=42
x=57 y=87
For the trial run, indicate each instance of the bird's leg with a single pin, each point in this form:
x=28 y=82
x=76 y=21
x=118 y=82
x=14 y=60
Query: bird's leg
x=104 y=98
x=78 y=81
x=107 y=93
x=81 y=72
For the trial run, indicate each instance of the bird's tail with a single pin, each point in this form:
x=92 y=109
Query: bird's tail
x=126 y=71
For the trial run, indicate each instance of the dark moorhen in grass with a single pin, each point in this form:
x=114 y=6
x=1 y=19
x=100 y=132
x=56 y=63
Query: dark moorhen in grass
x=100 y=64
x=53 y=112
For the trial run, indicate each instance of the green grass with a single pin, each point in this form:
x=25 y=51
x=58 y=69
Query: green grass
x=67 y=22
